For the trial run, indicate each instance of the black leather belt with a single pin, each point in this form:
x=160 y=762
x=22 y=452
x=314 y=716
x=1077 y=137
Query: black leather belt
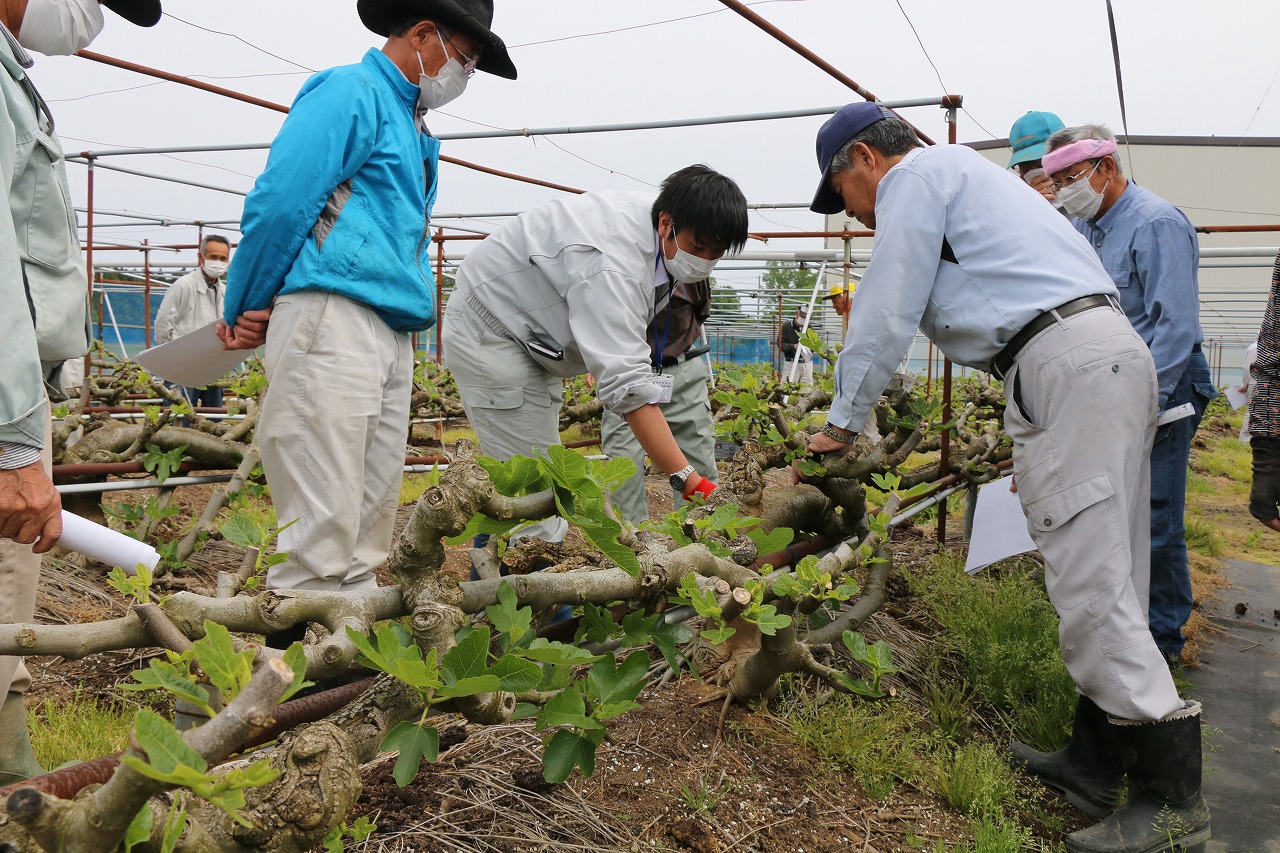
x=1006 y=357
x=673 y=360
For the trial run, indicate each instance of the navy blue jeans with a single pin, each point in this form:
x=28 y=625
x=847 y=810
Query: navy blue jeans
x=1171 y=599
x=211 y=396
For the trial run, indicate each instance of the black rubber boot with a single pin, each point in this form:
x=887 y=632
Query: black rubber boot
x=1165 y=810
x=1087 y=771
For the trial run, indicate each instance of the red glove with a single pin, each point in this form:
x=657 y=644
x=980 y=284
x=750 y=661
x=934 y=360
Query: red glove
x=705 y=487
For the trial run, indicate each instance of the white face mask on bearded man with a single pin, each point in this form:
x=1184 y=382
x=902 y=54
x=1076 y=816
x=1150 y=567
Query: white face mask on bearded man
x=60 y=27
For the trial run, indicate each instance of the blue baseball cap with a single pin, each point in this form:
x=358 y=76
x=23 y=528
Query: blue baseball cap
x=848 y=122
x=1029 y=134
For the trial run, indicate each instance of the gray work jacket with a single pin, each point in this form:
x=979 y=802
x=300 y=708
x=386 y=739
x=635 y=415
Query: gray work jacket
x=576 y=276
x=44 y=316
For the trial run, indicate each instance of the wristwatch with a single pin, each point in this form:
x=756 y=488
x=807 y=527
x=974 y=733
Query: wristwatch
x=680 y=479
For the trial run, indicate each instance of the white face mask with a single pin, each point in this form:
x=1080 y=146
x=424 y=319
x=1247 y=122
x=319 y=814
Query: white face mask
x=448 y=84
x=215 y=269
x=1080 y=199
x=60 y=27
x=687 y=268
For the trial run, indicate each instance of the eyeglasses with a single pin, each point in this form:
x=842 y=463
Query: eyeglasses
x=468 y=64
x=1071 y=179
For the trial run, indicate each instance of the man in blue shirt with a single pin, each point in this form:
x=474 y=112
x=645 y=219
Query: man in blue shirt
x=1000 y=282
x=336 y=245
x=1150 y=250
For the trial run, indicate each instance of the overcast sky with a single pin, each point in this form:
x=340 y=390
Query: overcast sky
x=1190 y=68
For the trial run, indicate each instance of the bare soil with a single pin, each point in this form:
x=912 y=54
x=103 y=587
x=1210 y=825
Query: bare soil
x=667 y=779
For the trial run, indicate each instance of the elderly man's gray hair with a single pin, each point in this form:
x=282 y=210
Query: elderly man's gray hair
x=213 y=238
x=890 y=136
x=1068 y=135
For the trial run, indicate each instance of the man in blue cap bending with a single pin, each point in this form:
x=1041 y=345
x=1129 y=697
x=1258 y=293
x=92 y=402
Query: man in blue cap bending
x=1000 y=282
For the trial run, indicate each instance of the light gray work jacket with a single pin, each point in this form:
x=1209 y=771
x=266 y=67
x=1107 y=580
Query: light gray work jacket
x=580 y=276
x=44 y=316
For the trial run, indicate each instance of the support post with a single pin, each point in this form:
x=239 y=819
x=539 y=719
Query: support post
x=945 y=449
x=439 y=294
x=88 y=262
x=146 y=294
x=440 y=318
x=779 y=360
x=970 y=509
x=848 y=266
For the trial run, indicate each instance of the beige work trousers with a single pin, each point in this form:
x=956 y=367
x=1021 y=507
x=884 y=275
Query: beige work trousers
x=689 y=416
x=1081 y=409
x=19 y=577
x=332 y=433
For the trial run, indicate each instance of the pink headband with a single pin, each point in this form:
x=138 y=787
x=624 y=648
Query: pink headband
x=1076 y=152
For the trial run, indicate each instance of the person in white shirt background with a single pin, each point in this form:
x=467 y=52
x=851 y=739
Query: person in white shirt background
x=195 y=300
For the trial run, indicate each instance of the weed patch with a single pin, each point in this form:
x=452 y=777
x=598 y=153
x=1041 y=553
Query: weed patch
x=82 y=728
x=996 y=835
x=950 y=702
x=1227 y=458
x=1199 y=484
x=1202 y=537
x=1004 y=633
x=412 y=487
x=975 y=780
x=879 y=742
x=703 y=797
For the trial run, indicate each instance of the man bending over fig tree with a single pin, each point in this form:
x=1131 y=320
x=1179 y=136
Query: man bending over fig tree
x=1001 y=282
x=568 y=288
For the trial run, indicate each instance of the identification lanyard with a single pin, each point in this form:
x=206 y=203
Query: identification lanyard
x=666 y=325
x=660 y=268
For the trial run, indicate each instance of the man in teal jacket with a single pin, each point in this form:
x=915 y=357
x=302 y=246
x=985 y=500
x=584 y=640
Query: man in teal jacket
x=336 y=245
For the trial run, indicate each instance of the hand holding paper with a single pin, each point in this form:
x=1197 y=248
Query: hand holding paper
x=196 y=359
x=249 y=332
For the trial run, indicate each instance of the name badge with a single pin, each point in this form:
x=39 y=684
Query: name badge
x=665 y=382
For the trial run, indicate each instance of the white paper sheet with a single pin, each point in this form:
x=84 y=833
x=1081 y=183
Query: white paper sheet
x=1177 y=413
x=999 y=527
x=1235 y=397
x=106 y=545
x=195 y=360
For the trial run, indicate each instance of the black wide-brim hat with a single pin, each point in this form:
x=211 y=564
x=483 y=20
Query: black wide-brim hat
x=144 y=13
x=473 y=17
